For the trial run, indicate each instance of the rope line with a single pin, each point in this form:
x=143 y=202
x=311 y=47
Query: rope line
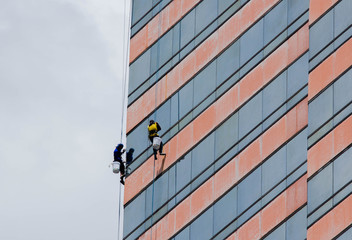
x=125 y=54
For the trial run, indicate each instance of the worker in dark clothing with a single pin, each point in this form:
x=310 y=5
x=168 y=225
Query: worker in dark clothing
x=129 y=156
x=153 y=129
x=118 y=158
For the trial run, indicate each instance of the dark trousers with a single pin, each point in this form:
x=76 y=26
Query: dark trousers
x=154 y=150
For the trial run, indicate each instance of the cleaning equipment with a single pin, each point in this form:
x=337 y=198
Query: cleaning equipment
x=156 y=143
x=115 y=167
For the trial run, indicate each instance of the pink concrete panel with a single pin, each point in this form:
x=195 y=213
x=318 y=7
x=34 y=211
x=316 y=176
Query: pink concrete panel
x=202 y=197
x=330 y=69
x=334 y=222
x=329 y=146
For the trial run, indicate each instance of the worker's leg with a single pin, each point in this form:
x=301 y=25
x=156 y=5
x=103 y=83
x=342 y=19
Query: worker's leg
x=155 y=152
x=161 y=149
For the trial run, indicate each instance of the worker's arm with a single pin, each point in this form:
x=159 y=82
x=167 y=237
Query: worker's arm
x=158 y=126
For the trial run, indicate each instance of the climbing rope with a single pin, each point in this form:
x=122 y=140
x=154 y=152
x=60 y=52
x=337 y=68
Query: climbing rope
x=125 y=56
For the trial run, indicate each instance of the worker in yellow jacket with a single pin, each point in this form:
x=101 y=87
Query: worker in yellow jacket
x=153 y=129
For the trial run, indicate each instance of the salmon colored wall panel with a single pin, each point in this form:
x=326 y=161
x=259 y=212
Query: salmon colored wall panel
x=318 y=8
x=250 y=230
x=224 y=179
x=329 y=146
x=335 y=221
x=228 y=102
x=296 y=195
x=202 y=197
x=254 y=81
x=273 y=138
x=330 y=69
x=171 y=222
x=208 y=51
x=201 y=55
x=249 y=157
x=183 y=213
x=274 y=213
x=205 y=121
x=213 y=116
x=188 y=4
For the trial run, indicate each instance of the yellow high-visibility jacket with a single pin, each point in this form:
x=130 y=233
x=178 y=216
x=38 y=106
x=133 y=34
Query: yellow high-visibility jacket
x=153 y=129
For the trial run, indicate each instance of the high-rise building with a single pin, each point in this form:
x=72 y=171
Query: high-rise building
x=254 y=99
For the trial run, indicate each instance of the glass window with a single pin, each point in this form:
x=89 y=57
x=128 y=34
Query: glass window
x=296 y=226
x=138 y=138
x=172 y=182
x=140 y=7
x=251 y=42
x=297 y=75
x=342 y=170
x=226 y=135
x=275 y=21
x=250 y=115
x=225 y=210
x=204 y=83
x=174 y=109
x=183 y=172
x=274 y=95
x=134 y=213
x=296 y=8
x=165 y=48
x=296 y=151
x=343 y=16
x=228 y=62
x=321 y=33
x=249 y=190
x=176 y=38
x=342 y=91
x=202 y=227
x=319 y=188
x=183 y=235
x=203 y=155
x=320 y=110
x=139 y=71
x=275 y=164
x=224 y=4
x=206 y=12
x=186 y=99
x=187 y=28
x=162 y=116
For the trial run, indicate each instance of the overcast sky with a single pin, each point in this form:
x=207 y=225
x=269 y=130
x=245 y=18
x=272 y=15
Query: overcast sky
x=60 y=118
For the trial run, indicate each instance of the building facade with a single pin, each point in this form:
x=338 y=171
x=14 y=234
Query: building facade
x=254 y=98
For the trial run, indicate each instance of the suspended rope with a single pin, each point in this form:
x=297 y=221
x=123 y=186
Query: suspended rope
x=125 y=54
